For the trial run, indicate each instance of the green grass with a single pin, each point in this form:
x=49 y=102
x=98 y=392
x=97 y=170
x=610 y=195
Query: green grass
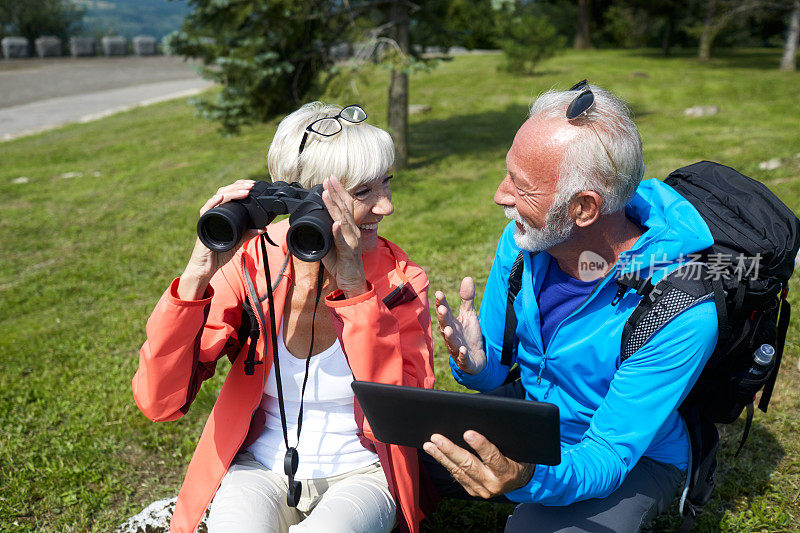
x=86 y=258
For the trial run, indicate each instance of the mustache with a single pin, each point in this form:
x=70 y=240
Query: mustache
x=512 y=214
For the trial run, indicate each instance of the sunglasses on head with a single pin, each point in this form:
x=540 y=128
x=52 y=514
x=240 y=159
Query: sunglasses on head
x=580 y=106
x=330 y=126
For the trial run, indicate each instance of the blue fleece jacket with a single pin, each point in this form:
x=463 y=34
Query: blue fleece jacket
x=611 y=414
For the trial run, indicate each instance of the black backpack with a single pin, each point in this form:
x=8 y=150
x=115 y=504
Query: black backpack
x=746 y=273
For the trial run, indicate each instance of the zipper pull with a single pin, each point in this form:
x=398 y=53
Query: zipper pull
x=539 y=376
x=620 y=293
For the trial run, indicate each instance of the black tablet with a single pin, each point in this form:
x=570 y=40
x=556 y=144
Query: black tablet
x=524 y=431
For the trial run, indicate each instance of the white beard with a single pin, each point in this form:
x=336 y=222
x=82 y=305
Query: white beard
x=557 y=228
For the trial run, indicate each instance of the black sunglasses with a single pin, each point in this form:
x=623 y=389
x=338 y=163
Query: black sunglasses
x=580 y=106
x=583 y=102
x=352 y=114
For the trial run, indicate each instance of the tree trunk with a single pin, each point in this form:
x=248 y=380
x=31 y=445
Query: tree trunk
x=582 y=39
x=666 y=37
x=398 y=88
x=707 y=37
x=789 y=59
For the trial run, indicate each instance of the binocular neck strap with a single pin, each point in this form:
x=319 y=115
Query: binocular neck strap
x=276 y=362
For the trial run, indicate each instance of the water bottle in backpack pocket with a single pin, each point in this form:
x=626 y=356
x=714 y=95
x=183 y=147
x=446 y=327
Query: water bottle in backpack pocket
x=748 y=382
x=734 y=378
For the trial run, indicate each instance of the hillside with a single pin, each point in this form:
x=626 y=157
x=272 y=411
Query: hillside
x=133 y=17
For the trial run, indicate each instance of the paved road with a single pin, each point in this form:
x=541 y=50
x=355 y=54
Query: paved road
x=40 y=94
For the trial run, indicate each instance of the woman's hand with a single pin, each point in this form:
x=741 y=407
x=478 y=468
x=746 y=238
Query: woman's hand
x=344 y=263
x=204 y=263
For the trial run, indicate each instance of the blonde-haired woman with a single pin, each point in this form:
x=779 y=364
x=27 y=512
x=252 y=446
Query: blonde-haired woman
x=374 y=326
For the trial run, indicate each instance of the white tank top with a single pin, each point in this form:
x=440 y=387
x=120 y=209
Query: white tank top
x=329 y=444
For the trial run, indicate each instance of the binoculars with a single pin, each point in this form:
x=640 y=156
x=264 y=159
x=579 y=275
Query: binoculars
x=309 y=237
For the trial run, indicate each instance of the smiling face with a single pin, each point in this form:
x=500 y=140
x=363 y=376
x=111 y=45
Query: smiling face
x=373 y=201
x=529 y=188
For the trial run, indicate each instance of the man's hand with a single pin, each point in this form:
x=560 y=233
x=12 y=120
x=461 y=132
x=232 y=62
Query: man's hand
x=489 y=475
x=462 y=337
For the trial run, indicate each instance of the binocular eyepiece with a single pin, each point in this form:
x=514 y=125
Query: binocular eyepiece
x=309 y=237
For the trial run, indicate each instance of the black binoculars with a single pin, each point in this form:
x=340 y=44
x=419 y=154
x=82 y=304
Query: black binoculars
x=309 y=236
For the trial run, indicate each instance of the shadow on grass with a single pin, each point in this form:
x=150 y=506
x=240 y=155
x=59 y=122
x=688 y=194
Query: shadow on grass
x=471 y=134
x=467 y=517
x=745 y=477
x=467 y=134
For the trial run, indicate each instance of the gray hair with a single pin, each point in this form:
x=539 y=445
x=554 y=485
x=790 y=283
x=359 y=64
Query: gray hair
x=358 y=154
x=586 y=165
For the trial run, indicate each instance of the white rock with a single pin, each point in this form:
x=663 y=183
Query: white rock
x=155 y=519
x=69 y=175
x=772 y=164
x=416 y=109
x=21 y=179
x=701 y=111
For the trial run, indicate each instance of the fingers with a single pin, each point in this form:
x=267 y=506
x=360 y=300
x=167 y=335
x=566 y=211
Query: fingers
x=443 y=313
x=462 y=359
x=345 y=263
x=486 y=475
x=235 y=191
x=448 y=326
x=502 y=473
x=487 y=451
x=467 y=294
x=339 y=204
x=462 y=465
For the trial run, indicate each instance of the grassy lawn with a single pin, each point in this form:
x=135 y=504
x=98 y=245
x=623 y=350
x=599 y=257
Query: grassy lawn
x=106 y=219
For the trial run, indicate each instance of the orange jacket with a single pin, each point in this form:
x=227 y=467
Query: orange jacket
x=186 y=338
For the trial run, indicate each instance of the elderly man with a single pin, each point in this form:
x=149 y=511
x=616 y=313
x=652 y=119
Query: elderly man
x=582 y=217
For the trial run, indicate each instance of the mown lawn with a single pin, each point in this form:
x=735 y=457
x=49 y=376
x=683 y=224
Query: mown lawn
x=106 y=219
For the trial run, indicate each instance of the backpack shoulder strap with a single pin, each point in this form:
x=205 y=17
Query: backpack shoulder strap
x=679 y=290
x=248 y=325
x=509 y=333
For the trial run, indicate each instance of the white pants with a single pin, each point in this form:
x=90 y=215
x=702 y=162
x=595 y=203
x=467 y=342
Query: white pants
x=252 y=499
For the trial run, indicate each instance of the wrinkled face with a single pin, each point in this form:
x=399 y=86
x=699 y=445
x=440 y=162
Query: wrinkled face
x=373 y=201
x=557 y=228
x=528 y=191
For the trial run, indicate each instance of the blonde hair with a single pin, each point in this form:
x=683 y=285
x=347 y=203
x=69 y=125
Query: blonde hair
x=358 y=154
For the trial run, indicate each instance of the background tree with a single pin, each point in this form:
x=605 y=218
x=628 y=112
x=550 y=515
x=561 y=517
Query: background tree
x=583 y=40
x=265 y=54
x=384 y=32
x=719 y=14
x=670 y=18
x=527 y=38
x=789 y=58
x=270 y=55
x=623 y=26
x=398 y=84
x=472 y=24
x=34 y=18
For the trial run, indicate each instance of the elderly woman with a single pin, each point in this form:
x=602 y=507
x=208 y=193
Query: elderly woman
x=374 y=325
